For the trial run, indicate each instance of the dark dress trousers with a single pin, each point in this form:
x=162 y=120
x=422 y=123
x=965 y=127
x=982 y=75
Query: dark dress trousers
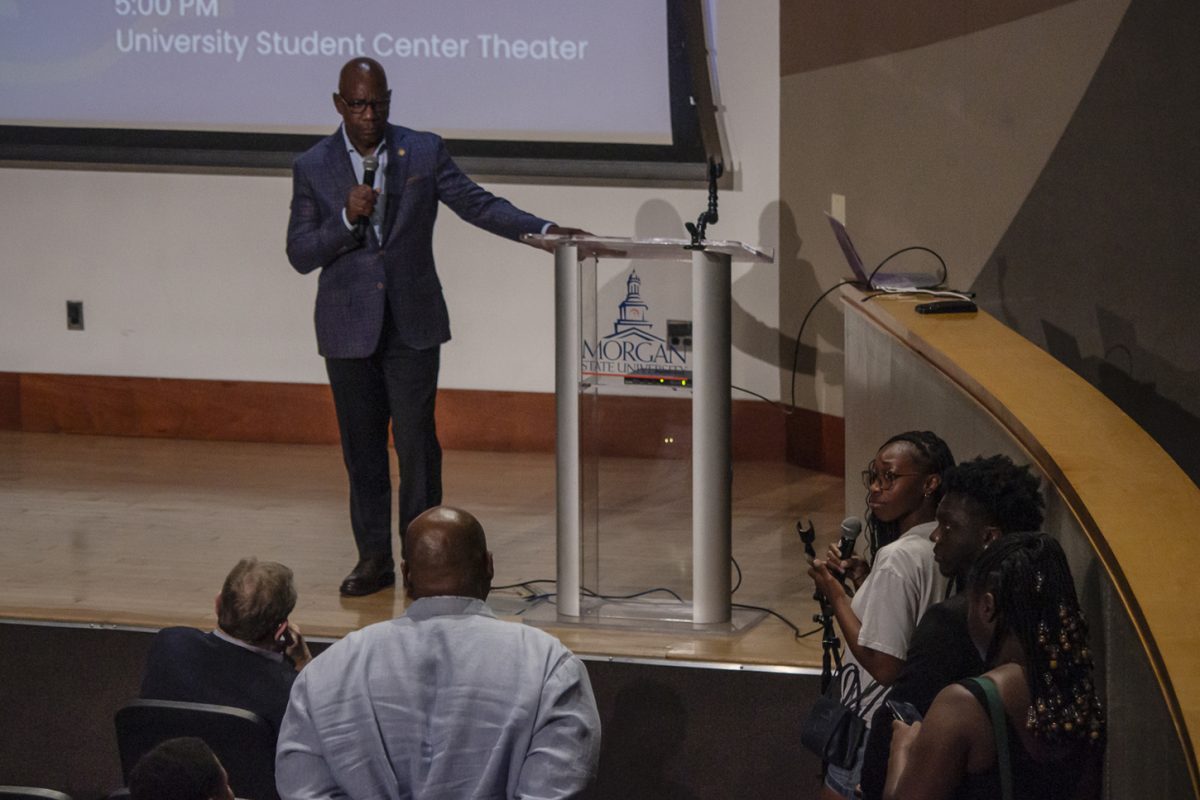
x=197 y=667
x=380 y=314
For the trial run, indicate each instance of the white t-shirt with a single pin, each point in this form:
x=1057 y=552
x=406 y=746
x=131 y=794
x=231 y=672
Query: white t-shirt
x=904 y=581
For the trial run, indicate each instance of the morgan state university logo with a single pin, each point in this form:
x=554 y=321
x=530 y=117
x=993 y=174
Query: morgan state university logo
x=631 y=348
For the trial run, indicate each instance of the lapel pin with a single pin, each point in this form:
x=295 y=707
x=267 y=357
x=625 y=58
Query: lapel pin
x=400 y=151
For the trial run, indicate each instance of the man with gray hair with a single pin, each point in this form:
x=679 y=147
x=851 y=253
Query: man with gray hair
x=250 y=661
x=445 y=701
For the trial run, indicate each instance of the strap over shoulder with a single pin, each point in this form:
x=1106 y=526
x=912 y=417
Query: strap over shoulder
x=995 y=710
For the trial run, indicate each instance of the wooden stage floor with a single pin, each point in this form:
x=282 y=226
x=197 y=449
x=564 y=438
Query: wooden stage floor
x=140 y=533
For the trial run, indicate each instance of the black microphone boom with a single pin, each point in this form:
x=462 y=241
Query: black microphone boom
x=370 y=166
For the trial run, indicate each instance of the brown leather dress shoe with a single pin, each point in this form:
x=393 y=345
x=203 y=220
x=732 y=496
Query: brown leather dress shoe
x=369 y=576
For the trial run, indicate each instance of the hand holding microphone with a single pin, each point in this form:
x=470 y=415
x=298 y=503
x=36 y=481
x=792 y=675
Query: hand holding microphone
x=827 y=574
x=841 y=557
x=360 y=203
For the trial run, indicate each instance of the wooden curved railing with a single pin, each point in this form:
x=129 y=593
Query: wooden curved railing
x=1135 y=506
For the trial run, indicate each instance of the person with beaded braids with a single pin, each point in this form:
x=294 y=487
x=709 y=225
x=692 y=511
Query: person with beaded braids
x=1025 y=619
x=904 y=484
x=985 y=498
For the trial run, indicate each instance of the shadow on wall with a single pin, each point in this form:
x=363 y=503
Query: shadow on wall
x=750 y=334
x=1171 y=425
x=1099 y=264
x=798 y=288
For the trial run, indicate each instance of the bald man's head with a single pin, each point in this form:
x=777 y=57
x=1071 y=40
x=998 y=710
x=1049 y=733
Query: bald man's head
x=446 y=554
x=361 y=69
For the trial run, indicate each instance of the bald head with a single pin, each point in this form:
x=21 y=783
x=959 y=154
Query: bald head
x=446 y=554
x=361 y=69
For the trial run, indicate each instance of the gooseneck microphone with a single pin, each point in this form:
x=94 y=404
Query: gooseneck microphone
x=851 y=528
x=370 y=167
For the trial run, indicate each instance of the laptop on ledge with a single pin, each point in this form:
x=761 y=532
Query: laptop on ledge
x=885 y=281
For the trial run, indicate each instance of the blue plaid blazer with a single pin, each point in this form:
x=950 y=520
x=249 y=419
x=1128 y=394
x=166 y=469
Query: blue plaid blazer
x=358 y=277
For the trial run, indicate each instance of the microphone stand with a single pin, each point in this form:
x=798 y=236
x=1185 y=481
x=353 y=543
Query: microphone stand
x=709 y=215
x=831 y=646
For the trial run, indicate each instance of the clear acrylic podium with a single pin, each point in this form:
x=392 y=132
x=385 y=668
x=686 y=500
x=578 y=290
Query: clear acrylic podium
x=707 y=384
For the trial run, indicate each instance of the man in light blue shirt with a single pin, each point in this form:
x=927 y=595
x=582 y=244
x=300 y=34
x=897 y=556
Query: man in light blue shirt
x=444 y=702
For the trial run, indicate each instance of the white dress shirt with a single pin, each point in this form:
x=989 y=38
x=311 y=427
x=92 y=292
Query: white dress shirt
x=444 y=702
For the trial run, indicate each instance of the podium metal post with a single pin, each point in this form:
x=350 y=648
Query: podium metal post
x=567 y=349
x=712 y=474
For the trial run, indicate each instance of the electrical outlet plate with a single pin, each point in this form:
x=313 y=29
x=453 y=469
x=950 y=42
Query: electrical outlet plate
x=837 y=207
x=74 y=315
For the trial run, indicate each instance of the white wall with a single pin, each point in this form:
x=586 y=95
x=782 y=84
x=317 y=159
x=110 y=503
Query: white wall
x=184 y=275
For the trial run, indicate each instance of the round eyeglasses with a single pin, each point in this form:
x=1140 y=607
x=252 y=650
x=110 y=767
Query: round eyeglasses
x=886 y=480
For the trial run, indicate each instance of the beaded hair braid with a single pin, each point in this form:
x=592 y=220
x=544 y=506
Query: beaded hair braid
x=933 y=457
x=1036 y=602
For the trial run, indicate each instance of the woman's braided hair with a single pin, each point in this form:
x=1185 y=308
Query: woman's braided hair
x=933 y=457
x=1027 y=573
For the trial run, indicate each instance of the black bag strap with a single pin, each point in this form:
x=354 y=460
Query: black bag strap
x=999 y=731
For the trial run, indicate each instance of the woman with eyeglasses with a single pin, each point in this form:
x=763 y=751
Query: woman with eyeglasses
x=1030 y=727
x=896 y=585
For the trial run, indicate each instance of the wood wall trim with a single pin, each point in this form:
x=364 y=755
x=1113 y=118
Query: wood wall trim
x=10 y=401
x=173 y=408
x=302 y=413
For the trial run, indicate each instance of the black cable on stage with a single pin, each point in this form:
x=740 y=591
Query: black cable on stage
x=551 y=595
x=525 y=584
x=796 y=631
x=590 y=593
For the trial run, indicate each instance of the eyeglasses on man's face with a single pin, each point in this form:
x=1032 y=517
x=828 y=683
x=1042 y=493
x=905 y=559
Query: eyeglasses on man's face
x=886 y=480
x=359 y=106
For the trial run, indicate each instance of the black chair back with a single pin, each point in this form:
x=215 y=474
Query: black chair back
x=242 y=740
x=30 y=793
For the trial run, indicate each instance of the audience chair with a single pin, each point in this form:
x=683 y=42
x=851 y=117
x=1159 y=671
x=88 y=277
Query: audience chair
x=30 y=793
x=242 y=740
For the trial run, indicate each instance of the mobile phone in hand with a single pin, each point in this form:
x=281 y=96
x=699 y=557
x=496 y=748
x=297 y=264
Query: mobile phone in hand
x=905 y=712
x=285 y=639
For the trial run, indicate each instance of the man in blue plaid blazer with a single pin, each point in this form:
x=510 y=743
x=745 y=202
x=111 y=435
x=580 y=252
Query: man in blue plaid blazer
x=380 y=314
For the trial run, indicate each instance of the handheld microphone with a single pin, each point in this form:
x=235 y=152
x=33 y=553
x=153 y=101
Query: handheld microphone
x=370 y=166
x=851 y=528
